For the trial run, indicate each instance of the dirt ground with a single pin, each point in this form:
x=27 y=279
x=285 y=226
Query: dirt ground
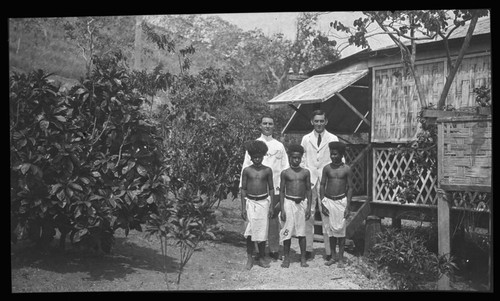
x=136 y=264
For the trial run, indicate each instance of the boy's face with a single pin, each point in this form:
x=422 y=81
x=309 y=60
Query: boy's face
x=294 y=159
x=319 y=122
x=257 y=159
x=335 y=155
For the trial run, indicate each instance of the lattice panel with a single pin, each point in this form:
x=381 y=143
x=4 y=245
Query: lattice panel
x=475 y=200
x=388 y=166
x=359 y=170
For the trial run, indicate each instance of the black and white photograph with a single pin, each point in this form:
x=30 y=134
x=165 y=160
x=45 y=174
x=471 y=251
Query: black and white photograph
x=289 y=151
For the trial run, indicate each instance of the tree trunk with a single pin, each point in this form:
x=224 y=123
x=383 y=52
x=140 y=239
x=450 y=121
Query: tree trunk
x=461 y=54
x=18 y=44
x=138 y=43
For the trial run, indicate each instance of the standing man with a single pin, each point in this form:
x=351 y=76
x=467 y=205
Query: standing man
x=316 y=156
x=277 y=159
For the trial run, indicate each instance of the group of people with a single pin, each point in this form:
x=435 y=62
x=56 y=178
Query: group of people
x=280 y=191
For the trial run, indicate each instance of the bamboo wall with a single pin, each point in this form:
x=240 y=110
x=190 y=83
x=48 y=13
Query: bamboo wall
x=395 y=99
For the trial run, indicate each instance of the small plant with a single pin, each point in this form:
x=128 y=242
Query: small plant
x=483 y=96
x=404 y=254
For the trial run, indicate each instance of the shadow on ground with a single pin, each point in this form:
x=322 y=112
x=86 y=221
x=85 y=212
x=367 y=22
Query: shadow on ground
x=126 y=258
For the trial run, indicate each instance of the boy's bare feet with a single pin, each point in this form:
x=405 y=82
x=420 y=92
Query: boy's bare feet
x=249 y=263
x=286 y=263
x=332 y=260
x=303 y=263
x=342 y=263
x=262 y=263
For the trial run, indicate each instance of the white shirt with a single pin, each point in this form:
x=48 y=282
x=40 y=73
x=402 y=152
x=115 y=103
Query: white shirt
x=276 y=158
x=316 y=157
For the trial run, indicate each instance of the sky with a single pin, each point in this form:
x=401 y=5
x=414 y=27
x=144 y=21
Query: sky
x=284 y=22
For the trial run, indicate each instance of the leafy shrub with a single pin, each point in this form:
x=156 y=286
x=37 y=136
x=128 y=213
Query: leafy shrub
x=403 y=252
x=84 y=162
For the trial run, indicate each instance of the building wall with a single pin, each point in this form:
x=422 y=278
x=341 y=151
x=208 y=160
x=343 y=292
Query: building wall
x=396 y=102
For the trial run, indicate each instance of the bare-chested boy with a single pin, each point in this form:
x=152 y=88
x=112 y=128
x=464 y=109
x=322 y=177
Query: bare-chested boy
x=295 y=199
x=257 y=193
x=335 y=193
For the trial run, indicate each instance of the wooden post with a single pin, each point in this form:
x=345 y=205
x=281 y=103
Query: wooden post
x=372 y=229
x=396 y=223
x=443 y=213
x=444 y=248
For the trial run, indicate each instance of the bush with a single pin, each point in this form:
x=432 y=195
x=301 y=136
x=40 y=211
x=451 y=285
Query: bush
x=403 y=252
x=85 y=162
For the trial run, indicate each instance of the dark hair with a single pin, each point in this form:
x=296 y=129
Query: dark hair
x=318 y=112
x=340 y=146
x=295 y=148
x=256 y=148
x=266 y=116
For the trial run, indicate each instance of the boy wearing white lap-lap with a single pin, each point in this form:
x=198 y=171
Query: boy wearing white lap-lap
x=335 y=194
x=295 y=203
x=257 y=194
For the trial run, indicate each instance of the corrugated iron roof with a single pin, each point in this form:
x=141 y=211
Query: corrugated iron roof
x=482 y=27
x=318 y=88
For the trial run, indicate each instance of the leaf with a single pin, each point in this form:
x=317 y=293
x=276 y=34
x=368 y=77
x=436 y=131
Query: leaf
x=44 y=125
x=112 y=202
x=76 y=186
x=61 y=195
x=60 y=118
x=54 y=188
x=78 y=235
x=35 y=170
x=141 y=170
x=85 y=180
x=151 y=199
x=22 y=143
x=128 y=167
x=69 y=192
x=25 y=167
x=95 y=197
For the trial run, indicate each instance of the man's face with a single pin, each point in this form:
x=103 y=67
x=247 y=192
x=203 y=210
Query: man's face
x=335 y=155
x=319 y=122
x=267 y=126
x=294 y=159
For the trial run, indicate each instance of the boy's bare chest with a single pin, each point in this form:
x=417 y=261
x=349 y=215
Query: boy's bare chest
x=338 y=173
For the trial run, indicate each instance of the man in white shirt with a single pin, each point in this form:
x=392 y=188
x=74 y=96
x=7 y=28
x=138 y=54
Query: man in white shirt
x=316 y=156
x=277 y=159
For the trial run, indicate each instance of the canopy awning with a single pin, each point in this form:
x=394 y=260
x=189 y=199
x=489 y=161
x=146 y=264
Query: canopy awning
x=318 y=88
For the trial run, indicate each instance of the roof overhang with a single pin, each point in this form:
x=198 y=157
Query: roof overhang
x=318 y=88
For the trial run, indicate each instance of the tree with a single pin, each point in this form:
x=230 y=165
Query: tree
x=410 y=26
x=85 y=162
x=138 y=43
x=273 y=57
x=97 y=36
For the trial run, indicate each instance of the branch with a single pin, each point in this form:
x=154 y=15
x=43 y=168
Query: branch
x=121 y=146
x=461 y=54
x=273 y=73
x=105 y=125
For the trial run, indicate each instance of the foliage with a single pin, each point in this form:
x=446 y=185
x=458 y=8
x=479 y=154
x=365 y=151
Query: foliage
x=270 y=59
x=412 y=26
x=424 y=160
x=403 y=252
x=483 y=96
x=203 y=141
x=91 y=35
x=85 y=162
